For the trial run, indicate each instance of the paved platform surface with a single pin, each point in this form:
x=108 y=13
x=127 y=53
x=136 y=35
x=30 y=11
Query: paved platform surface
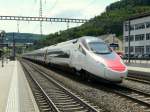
x=140 y=69
x=138 y=65
x=15 y=93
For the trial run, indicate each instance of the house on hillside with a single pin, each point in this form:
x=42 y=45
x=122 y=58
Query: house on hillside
x=139 y=34
x=113 y=41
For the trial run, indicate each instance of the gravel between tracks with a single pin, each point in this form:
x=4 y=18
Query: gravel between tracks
x=137 y=85
x=109 y=101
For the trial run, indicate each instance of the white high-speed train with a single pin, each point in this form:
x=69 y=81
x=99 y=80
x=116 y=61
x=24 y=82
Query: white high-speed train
x=88 y=54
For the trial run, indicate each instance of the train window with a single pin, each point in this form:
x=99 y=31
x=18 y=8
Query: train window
x=82 y=50
x=75 y=41
x=60 y=54
x=63 y=55
x=99 y=47
x=39 y=54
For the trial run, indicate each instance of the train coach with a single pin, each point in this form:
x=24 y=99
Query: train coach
x=86 y=55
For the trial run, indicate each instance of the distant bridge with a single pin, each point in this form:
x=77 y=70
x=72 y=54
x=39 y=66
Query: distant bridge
x=44 y=19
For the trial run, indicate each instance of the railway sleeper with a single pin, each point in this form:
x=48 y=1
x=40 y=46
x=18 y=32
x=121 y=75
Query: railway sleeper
x=60 y=96
x=73 y=109
x=66 y=103
x=67 y=100
x=69 y=106
x=44 y=106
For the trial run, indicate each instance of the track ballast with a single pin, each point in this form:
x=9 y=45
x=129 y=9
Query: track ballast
x=51 y=96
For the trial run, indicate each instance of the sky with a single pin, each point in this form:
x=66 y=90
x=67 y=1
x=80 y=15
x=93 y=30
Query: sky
x=78 y=9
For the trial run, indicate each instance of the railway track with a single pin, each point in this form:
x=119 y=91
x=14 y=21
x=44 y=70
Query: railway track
x=138 y=80
x=138 y=96
x=139 y=75
x=51 y=96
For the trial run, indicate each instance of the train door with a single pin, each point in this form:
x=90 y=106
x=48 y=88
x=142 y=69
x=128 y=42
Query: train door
x=82 y=57
x=45 y=56
x=78 y=58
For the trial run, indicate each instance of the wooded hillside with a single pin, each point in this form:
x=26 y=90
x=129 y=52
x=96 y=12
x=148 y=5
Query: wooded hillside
x=110 y=21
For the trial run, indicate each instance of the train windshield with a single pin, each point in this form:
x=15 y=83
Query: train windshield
x=99 y=47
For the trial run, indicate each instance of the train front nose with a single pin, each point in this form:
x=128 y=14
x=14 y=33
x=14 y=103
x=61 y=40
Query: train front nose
x=115 y=69
x=116 y=74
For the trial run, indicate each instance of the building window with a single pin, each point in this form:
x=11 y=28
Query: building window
x=131 y=49
x=139 y=49
x=148 y=36
x=126 y=38
x=147 y=49
x=140 y=26
x=132 y=27
x=126 y=28
x=139 y=37
x=131 y=38
x=126 y=50
x=148 y=25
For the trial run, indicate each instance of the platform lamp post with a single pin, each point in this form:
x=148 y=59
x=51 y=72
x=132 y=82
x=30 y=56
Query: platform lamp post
x=2 y=35
x=129 y=33
x=14 y=47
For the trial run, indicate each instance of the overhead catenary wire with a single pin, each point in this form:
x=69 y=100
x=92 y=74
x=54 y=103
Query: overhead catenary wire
x=43 y=11
x=41 y=15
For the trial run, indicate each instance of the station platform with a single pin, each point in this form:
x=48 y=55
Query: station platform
x=15 y=93
x=140 y=69
x=138 y=65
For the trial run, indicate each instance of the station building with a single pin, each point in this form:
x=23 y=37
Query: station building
x=112 y=41
x=139 y=34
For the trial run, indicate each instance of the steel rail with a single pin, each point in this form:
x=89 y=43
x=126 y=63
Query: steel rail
x=48 y=101
x=138 y=80
x=85 y=105
x=133 y=94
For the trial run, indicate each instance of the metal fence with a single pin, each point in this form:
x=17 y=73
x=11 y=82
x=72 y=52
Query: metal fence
x=139 y=59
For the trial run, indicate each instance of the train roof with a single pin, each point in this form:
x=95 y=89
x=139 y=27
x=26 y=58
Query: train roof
x=59 y=45
x=67 y=42
x=86 y=38
x=91 y=39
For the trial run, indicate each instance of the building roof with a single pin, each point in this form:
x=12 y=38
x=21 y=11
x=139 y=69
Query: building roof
x=103 y=37
x=139 y=16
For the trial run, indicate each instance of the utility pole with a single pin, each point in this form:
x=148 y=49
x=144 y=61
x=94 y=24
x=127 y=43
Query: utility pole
x=41 y=15
x=18 y=26
x=2 y=50
x=129 y=33
x=68 y=25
